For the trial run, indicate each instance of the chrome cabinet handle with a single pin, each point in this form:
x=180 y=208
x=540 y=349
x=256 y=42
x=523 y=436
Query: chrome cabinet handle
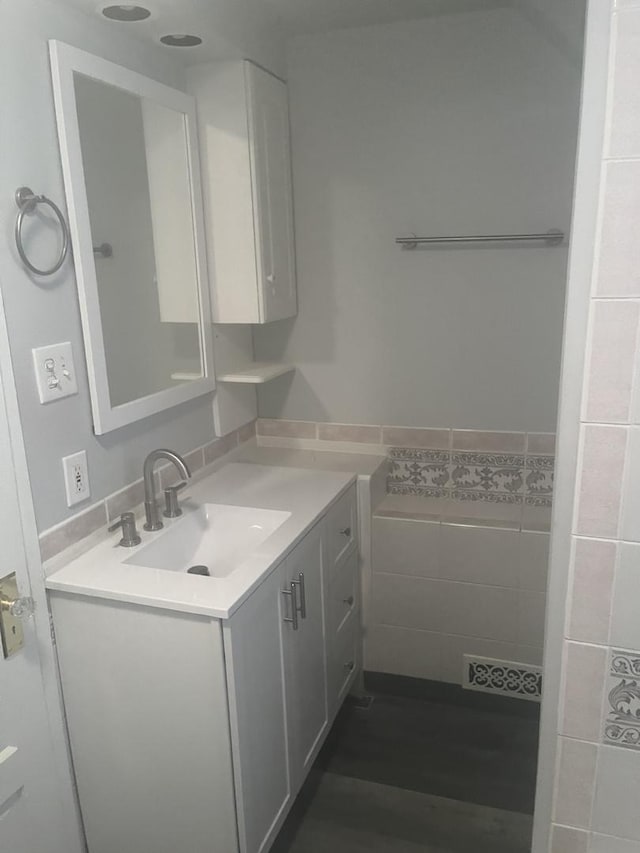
x=349 y=600
x=303 y=597
x=346 y=531
x=291 y=593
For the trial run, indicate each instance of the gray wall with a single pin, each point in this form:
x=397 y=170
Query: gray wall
x=46 y=311
x=457 y=124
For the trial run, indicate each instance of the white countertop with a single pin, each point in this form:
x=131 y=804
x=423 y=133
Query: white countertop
x=100 y=572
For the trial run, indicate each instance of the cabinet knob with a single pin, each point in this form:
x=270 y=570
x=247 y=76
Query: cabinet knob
x=346 y=531
x=271 y=278
x=349 y=666
x=349 y=600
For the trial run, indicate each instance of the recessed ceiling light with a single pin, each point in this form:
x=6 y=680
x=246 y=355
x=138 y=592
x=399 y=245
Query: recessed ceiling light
x=126 y=13
x=181 y=40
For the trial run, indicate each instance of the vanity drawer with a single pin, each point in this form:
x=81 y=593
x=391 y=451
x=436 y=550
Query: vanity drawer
x=342 y=526
x=345 y=660
x=344 y=594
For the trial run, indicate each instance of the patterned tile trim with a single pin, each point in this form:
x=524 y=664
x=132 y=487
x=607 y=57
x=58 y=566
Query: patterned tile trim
x=521 y=680
x=482 y=474
x=622 y=723
x=414 y=471
x=471 y=476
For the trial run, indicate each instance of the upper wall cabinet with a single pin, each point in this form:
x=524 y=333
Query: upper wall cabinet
x=244 y=145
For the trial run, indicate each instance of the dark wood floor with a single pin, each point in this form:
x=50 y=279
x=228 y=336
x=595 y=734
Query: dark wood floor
x=425 y=768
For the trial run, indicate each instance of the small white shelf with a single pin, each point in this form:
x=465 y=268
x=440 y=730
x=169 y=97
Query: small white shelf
x=257 y=373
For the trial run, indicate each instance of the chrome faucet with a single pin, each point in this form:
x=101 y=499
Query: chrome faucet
x=150 y=506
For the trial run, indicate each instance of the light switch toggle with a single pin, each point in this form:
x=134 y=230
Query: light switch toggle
x=55 y=372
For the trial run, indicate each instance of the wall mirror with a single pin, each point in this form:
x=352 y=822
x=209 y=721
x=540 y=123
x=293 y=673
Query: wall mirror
x=130 y=164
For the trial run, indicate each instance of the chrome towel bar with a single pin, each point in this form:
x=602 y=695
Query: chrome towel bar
x=27 y=201
x=553 y=237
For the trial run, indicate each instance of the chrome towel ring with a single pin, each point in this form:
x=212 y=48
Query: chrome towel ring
x=27 y=202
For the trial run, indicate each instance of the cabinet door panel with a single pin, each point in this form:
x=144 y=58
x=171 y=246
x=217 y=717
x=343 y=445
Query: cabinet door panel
x=271 y=158
x=306 y=656
x=257 y=700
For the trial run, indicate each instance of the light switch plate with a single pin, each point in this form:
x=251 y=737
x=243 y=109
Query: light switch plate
x=55 y=372
x=76 y=477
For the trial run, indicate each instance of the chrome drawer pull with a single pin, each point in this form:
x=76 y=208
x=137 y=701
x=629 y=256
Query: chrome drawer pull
x=346 y=531
x=349 y=600
x=291 y=592
x=303 y=596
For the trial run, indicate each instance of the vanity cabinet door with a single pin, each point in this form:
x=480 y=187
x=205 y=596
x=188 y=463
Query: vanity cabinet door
x=305 y=655
x=257 y=703
x=273 y=207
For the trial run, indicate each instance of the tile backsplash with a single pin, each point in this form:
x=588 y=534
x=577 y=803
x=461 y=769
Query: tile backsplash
x=83 y=524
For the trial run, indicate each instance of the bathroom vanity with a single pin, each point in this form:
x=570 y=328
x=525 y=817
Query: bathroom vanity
x=196 y=705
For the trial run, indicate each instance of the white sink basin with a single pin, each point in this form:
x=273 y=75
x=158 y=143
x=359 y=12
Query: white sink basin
x=218 y=536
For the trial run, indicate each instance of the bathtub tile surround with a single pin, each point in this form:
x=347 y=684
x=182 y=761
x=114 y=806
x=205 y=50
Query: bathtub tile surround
x=598 y=730
x=78 y=527
x=442 y=590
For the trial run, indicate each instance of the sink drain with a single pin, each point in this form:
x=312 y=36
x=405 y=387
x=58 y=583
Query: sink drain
x=199 y=570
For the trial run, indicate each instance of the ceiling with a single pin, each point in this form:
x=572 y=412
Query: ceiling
x=217 y=20
x=310 y=16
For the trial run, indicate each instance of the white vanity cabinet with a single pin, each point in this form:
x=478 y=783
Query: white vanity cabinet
x=246 y=167
x=193 y=733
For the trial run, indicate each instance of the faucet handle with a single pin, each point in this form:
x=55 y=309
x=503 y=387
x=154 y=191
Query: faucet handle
x=130 y=535
x=171 y=505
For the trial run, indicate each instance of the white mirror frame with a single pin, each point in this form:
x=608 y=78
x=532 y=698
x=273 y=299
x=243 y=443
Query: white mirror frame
x=65 y=60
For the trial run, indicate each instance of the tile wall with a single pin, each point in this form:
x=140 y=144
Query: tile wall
x=597 y=795
x=441 y=590
x=508 y=468
x=459 y=545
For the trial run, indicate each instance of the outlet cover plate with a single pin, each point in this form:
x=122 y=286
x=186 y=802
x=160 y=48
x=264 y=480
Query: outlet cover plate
x=55 y=372
x=76 y=477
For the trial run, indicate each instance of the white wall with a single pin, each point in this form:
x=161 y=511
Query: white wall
x=46 y=311
x=457 y=124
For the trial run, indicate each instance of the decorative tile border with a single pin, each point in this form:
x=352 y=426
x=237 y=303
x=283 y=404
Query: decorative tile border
x=468 y=465
x=622 y=722
x=471 y=476
x=419 y=472
x=520 y=680
x=476 y=475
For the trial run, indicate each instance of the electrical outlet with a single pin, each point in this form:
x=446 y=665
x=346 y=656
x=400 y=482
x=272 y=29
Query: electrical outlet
x=76 y=477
